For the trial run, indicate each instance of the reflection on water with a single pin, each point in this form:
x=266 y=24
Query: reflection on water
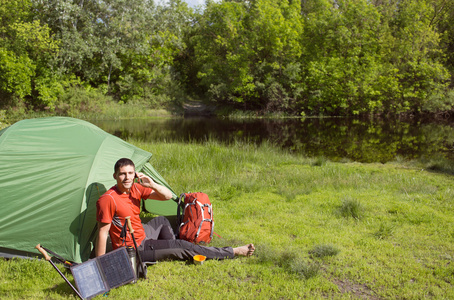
x=334 y=138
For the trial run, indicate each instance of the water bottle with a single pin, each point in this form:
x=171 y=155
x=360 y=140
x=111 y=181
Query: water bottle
x=132 y=257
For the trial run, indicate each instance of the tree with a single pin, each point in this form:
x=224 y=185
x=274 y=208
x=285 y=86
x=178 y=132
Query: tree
x=371 y=57
x=25 y=48
x=417 y=56
x=118 y=46
x=342 y=57
x=245 y=52
x=442 y=18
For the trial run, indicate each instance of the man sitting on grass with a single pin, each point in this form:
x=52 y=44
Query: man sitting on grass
x=156 y=239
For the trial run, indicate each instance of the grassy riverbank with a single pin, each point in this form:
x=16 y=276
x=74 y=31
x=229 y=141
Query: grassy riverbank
x=86 y=105
x=321 y=229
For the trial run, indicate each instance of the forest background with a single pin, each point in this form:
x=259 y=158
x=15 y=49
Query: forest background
x=307 y=57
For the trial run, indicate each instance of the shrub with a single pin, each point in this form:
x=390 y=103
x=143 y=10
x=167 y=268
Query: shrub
x=305 y=269
x=323 y=251
x=350 y=208
x=384 y=231
x=288 y=260
x=319 y=161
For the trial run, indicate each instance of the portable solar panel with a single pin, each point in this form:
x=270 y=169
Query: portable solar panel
x=101 y=274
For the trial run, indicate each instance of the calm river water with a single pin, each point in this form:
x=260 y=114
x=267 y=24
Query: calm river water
x=333 y=138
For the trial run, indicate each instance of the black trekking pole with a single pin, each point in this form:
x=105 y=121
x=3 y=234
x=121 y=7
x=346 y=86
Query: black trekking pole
x=131 y=231
x=49 y=259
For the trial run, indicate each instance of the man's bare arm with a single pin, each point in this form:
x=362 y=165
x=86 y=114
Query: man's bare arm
x=160 y=192
x=101 y=242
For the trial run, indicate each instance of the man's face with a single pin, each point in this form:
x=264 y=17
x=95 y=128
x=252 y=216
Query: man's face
x=125 y=178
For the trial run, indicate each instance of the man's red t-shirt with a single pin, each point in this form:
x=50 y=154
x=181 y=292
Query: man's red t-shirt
x=113 y=206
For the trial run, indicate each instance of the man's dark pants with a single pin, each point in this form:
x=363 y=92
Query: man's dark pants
x=161 y=244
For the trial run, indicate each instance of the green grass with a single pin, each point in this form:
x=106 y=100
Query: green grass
x=322 y=230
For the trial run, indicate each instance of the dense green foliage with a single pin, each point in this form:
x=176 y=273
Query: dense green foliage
x=322 y=57
x=343 y=57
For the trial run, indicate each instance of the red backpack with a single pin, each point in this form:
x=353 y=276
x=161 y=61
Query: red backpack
x=196 y=223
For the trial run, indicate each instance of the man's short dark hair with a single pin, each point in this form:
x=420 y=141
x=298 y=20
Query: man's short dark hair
x=123 y=162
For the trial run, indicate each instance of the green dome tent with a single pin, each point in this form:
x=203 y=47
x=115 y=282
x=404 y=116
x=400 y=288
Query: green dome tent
x=53 y=171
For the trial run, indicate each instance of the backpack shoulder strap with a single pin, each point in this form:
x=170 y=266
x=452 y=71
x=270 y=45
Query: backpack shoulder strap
x=180 y=211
